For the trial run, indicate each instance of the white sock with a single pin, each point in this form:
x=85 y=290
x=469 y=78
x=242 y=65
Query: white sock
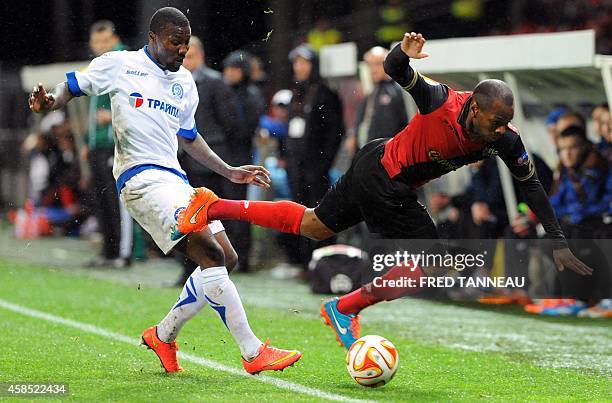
x=190 y=302
x=223 y=297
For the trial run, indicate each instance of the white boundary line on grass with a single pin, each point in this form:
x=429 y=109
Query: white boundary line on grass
x=279 y=383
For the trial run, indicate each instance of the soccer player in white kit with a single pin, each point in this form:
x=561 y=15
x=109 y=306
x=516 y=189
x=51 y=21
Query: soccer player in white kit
x=154 y=100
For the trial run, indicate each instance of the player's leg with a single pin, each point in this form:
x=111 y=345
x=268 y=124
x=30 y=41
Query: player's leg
x=284 y=216
x=153 y=198
x=191 y=300
x=221 y=294
x=337 y=211
x=390 y=210
x=162 y=337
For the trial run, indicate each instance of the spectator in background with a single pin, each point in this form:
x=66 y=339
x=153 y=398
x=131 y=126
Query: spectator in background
x=551 y=123
x=259 y=77
x=216 y=116
x=569 y=118
x=53 y=178
x=113 y=219
x=217 y=121
x=249 y=104
x=383 y=112
x=560 y=119
x=603 y=129
x=323 y=33
x=275 y=125
x=487 y=209
x=316 y=127
x=582 y=199
x=583 y=186
x=273 y=128
x=557 y=121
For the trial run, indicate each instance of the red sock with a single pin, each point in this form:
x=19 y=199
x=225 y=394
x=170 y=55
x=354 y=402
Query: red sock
x=374 y=292
x=284 y=216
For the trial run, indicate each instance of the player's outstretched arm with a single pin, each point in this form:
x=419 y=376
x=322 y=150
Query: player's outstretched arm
x=427 y=95
x=517 y=160
x=538 y=202
x=247 y=174
x=42 y=101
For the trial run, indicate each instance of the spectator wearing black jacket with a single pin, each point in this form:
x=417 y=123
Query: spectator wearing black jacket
x=382 y=113
x=315 y=128
x=249 y=106
x=315 y=131
x=215 y=121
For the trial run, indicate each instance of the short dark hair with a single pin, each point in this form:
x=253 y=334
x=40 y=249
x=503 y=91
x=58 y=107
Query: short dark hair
x=102 y=25
x=165 y=16
x=574 y=130
x=488 y=91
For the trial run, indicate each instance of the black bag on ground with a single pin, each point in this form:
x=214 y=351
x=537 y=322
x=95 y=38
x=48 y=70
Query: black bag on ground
x=337 y=269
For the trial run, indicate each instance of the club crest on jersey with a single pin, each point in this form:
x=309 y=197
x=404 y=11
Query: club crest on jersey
x=177 y=91
x=136 y=99
x=523 y=159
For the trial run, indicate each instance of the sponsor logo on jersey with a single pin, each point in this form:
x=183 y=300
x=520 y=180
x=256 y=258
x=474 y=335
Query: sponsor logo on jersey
x=136 y=73
x=163 y=106
x=437 y=157
x=136 y=99
x=177 y=91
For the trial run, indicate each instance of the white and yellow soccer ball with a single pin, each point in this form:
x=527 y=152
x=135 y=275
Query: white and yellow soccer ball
x=372 y=361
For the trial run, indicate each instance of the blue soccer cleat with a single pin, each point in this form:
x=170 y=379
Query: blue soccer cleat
x=346 y=327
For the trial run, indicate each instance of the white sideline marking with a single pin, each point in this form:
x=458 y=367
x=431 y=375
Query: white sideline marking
x=295 y=387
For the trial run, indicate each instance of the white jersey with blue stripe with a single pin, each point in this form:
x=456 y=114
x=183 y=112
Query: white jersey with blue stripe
x=150 y=107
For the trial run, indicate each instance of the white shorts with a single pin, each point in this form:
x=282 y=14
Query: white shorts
x=154 y=199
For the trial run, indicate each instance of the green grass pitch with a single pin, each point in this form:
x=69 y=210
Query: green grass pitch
x=447 y=352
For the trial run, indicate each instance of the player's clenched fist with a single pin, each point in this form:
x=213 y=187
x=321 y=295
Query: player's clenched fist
x=412 y=45
x=40 y=100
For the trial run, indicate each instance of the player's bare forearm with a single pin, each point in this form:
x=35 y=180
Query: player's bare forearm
x=42 y=101
x=61 y=94
x=201 y=152
x=246 y=174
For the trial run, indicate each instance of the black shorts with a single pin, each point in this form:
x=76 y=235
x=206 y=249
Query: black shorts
x=366 y=193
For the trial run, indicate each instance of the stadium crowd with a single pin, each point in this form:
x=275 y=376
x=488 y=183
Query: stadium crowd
x=305 y=132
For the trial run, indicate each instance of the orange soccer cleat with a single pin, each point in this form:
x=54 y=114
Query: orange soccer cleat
x=271 y=359
x=194 y=217
x=166 y=352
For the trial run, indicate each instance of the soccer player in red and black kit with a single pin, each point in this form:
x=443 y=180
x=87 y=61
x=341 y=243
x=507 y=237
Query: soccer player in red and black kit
x=452 y=129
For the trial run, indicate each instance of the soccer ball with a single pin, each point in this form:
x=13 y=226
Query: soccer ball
x=372 y=361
